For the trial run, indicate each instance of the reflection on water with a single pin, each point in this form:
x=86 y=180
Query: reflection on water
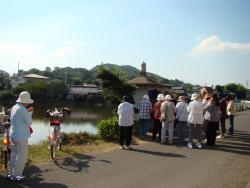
x=82 y=118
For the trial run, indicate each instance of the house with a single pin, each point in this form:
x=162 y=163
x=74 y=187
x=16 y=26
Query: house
x=15 y=80
x=147 y=86
x=180 y=91
x=81 y=90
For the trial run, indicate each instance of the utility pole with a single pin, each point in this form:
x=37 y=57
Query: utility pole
x=18 y=63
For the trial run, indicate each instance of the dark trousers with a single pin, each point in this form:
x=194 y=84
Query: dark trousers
x=231 y=121
x=223 y=125
x=157 y=129
x=125 y=134
x=211 y=132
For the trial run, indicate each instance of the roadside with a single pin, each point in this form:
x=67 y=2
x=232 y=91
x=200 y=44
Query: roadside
x=151 y=165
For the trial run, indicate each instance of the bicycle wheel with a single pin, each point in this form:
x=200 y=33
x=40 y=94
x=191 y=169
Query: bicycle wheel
x=53 y=151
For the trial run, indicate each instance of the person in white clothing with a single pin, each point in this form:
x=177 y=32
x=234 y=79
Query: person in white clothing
x=195 y=120
x=19 y=133
x=126 y=120
x=181 y=116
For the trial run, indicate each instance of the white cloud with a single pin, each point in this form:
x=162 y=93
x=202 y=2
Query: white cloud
x=215 y=44
x=68 y=47
x=16 y=49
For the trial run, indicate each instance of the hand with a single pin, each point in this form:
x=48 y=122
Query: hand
x=30 y=109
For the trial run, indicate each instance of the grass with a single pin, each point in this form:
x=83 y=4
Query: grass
x=40 y=153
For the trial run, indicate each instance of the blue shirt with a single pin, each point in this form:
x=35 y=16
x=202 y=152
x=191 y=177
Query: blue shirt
x=20 y=122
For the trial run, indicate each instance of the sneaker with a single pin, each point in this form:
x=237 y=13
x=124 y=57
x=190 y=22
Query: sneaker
x=190 y=145
x=128 y=147
x=122 y=147
x=198 y=145
x=17 y=178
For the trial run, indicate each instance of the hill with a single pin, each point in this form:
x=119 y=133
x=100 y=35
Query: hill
x=130 y=72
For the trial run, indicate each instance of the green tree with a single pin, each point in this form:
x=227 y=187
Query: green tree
x=219 y=88
x=4 y=80
x=114 y=87
x=57 y=89
x=238 y=89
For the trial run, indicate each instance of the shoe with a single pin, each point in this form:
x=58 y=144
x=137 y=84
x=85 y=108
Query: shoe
x=122 y=147
x=8 y=176
x=17 y=178
x=190 y=145
x=128 y=147
x=198 y=145
x=219 y=136
x=170 y=142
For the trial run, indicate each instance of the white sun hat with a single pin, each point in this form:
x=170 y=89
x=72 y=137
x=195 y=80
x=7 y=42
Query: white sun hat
x=160 y=97
x=168 y=97
x=24 y=97
x=195 y=96
x=145 y=97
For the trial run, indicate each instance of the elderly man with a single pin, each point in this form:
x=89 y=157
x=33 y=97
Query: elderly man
x=19 y=133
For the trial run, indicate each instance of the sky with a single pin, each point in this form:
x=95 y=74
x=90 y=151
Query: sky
x=205 y=42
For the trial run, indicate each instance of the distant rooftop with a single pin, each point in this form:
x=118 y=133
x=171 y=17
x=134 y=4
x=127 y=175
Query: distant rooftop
x=35 y=76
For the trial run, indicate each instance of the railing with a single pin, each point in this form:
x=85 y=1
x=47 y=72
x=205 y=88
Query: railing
x=243 y=105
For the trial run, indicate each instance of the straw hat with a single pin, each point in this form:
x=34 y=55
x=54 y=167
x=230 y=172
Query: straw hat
x=194 y=96
x=160 y=97
x=24 y=97
x=168 y=97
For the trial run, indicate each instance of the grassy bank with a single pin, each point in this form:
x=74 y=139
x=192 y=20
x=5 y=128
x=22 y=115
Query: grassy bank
x=40 y=153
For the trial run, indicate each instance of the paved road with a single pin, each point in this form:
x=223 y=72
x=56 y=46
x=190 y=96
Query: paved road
x=152 y=165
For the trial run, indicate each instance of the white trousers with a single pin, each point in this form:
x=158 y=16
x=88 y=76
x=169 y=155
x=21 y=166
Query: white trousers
x=167 y=125
x=18 y=157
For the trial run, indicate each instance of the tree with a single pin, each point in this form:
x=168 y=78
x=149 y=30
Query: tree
x=4 y=80
x=238 y=89
x=219 y=88
x=114 y=87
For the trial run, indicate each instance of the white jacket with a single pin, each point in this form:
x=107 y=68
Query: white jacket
x=181 y=111
x=195 y=110
x=126 y=114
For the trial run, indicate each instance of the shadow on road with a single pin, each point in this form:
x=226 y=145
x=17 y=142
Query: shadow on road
x=239 y=143
x=158 y=153
x=77 y=162
x=33 y=178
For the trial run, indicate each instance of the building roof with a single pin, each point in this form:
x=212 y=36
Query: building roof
x=142 y=80
x=35 y=76
x=81 y=90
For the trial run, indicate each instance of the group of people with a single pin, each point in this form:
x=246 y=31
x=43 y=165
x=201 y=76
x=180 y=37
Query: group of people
x=204 y=114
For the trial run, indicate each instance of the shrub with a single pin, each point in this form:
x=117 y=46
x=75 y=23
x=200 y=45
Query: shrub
x=77 y=138
x=108 y=129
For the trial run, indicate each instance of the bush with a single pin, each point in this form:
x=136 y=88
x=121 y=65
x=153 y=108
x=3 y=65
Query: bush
x=77 y=138
x=108 y=129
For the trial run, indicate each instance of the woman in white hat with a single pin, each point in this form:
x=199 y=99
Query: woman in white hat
x=167 y=111
x=156 y=110
x=195 y=120
x=19 y=133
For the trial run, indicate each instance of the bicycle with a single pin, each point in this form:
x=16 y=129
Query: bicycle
x=55 y=116
x=5 y=140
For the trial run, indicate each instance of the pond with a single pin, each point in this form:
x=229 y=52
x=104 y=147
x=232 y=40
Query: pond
x=83 y=117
